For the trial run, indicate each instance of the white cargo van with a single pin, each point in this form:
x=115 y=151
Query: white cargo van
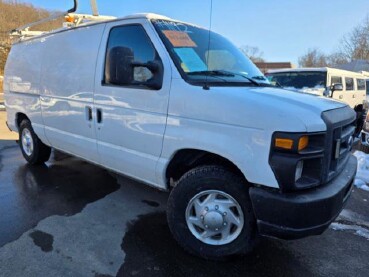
x=149 y=97
x=346 y=86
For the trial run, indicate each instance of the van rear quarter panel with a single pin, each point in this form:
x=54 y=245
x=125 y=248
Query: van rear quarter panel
x=22 y=84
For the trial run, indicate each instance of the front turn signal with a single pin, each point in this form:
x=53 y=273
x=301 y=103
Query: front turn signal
x=303 y=142
x=284 y=143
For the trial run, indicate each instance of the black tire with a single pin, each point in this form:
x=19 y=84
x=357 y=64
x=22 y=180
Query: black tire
x=207 y=178
x=40 y=152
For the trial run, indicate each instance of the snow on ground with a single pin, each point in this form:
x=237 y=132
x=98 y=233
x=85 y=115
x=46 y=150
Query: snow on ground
x=359 y=231
x=362 y=175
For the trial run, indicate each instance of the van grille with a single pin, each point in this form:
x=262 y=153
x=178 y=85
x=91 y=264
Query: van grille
x=341 y=124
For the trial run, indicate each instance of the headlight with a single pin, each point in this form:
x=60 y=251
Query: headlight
x=296 y=159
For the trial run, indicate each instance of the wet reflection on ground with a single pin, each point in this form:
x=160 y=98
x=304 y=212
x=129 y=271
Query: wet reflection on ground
x=151 y=251
x=29 y=194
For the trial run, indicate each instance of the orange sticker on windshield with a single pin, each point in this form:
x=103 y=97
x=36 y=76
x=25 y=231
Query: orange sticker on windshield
x=179 y=39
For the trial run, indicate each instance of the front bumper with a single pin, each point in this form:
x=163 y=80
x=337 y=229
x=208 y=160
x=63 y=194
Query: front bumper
x=304 y=213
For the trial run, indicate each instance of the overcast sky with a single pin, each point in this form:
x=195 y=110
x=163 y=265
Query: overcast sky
x=282 y=29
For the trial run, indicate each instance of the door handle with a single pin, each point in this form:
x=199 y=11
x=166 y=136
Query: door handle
x=89 y=113
x=341 y=96
x=99 y=115
x=354 y=96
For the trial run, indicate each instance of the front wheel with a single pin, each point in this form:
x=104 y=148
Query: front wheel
x=210 y=213
x=33 y=149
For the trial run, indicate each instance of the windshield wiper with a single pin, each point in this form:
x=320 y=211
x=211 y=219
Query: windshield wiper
x=223 y=73
x=212 y=73
x=261 y=78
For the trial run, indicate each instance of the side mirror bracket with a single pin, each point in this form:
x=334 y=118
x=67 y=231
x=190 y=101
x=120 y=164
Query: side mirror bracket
x=336 y=87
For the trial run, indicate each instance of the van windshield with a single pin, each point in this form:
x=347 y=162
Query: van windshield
x=199 y=60
x=299 y=80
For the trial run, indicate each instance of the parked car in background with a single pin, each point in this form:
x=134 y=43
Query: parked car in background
x=346 y=86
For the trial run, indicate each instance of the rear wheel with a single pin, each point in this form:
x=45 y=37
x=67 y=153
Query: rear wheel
x=210 y=214
x=33 y=149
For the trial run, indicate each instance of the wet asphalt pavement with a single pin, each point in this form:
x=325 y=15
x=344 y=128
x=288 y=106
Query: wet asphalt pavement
x=71 y=218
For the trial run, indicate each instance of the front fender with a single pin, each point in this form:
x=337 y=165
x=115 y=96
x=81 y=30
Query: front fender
x=247 y=148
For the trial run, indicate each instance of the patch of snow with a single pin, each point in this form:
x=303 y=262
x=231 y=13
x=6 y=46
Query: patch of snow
x=362 y=175
x=315 y=90
x=352 y=218
x=291 y=89
x=359 y=231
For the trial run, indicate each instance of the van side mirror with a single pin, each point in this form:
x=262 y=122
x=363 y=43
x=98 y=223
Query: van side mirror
x=155 y=81
x=118 y=69
x=122 y=70
x=152 y=66
x=336 y=87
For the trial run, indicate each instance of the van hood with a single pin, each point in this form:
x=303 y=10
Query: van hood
x=263 y=108
x=289 y=107
x=301 y=98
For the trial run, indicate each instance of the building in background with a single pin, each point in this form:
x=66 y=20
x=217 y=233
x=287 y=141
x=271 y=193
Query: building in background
x=265 y=66
x=355 y=65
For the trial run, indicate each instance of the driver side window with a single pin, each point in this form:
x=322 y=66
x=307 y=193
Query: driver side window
x=128 y=48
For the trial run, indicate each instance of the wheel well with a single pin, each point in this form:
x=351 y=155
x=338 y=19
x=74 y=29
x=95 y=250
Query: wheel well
x=187 y=159
x=19 y=118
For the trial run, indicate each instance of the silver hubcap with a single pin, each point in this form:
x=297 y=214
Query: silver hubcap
x=214 y=217
x=27 y=142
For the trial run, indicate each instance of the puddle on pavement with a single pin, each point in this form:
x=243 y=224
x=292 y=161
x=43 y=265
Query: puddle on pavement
x=43 y=240
x=151 y=251
x=29 y=194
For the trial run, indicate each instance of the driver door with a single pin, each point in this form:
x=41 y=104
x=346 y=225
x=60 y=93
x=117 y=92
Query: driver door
x=130 y=100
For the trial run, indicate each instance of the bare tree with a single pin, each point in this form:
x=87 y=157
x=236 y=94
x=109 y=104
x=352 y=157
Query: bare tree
x=253 y=53
x=355 y=45
x=14 y=14
x=336 y=58
x=313 y=58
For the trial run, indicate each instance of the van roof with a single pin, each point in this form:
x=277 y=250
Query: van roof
x=145 y=15
x=99 y=20
x=317 y=69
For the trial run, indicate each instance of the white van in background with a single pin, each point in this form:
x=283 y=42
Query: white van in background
x=346 y=86
x=366 y=75
x=149 y=97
